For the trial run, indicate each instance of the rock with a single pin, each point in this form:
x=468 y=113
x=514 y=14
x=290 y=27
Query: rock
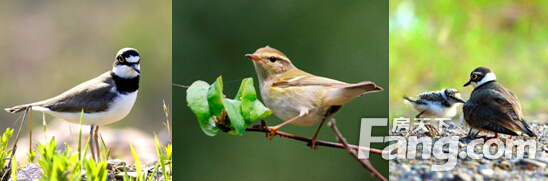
x=504 y=164
x=478 y=178
x=487 y=172
x=29 y=172
x=115 y=162
x=432 y=175
x=463 y=176
x=531 y=164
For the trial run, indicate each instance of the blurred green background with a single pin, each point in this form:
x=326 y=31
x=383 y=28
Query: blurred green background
x=436 y=44
x=344 y=40
x=47 y=47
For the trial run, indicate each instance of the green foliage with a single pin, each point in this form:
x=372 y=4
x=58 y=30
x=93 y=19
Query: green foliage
x=215 y=97
x=96 y=172
x=31 y=156
x=215 y=111
x=169 y=156
x=56 y=165
x=141 y=176
x=105 y=153
x=197 y=101
x=14 y=169
x=3 y=147
x=67 y=165
x=163 y=157
x=126 y=176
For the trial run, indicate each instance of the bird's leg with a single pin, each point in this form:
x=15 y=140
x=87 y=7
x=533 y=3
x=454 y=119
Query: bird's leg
x=419 y=115
x=91 y=142
x=275 y=128
x=473 y=136
x=312 y=143
x=96 y=138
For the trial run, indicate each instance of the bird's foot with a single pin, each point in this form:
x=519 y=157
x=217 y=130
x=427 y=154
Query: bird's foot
x=271 y=133
x=312 y=144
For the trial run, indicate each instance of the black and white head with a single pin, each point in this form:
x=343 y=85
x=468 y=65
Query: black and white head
x=452 y=96
x=126 y=64
x=480 y=76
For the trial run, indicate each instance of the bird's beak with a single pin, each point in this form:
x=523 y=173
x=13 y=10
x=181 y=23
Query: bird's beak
x=136 y=68
x=253 y=57
x=467 y=83
x=460 y=100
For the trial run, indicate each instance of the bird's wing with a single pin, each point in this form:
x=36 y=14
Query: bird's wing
x=498 y=111
x=300 y=78
x=336 y=92
x=92 y=96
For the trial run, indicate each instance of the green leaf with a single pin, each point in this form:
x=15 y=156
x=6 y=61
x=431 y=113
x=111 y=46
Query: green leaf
x=161 y=158
x=215 y=96
x=242 y=86
x=259 y=111
x=198 y=103
x=248 y=98
x=252 y=109
x=234 y=113
x=137 y=162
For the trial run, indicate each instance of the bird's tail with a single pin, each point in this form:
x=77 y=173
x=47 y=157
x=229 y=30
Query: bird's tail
x=17 y=109
x=408 y=100
x=341 y=95
x=527 y=129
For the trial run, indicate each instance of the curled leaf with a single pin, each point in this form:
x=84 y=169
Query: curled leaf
x=197 y=101
x=214 y=97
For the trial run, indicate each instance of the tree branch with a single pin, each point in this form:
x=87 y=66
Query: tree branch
x=354 y=152
x=352 y=149
x=264 y=129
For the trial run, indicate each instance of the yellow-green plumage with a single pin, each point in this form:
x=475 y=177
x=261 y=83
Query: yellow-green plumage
x=290 y=92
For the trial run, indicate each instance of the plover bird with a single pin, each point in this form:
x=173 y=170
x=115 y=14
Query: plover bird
x=104 y=99
x=492 y=107
x=436 y=104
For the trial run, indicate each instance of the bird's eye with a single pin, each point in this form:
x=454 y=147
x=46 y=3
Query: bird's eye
x=121 y=59
x=473 y=76
x=272 y=59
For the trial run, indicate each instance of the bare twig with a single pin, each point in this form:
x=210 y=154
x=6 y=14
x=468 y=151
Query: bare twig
x=264 y=129
x=354 y=152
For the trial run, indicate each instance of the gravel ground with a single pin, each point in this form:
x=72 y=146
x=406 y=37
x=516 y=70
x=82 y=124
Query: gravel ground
x=419 y=168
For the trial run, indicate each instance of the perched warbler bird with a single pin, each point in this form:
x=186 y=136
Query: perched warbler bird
x=298 y=97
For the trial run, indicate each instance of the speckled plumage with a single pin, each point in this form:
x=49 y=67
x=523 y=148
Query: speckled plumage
x=436 y=104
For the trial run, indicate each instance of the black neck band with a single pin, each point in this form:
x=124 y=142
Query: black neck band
x=124 y=85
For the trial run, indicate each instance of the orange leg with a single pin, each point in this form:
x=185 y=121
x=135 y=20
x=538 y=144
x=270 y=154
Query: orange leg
x=313 y=141
x=275 y=128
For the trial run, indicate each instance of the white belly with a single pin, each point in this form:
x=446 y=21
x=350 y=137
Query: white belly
x=436 y=110
x=287 y=108
x=118 y=109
